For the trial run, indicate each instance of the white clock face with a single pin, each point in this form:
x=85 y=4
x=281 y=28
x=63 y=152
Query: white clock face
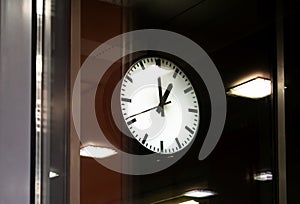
x=159 y=105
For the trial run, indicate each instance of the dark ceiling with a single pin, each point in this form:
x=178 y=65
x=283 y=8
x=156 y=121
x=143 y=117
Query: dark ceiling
x=215 y=25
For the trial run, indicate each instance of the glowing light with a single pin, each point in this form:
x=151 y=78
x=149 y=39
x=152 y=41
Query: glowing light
x=255 y=88
x=199 y=193
x=263 y=176
x=39 y=7
x=96 y=152
x=189 y=202
x=53 y=174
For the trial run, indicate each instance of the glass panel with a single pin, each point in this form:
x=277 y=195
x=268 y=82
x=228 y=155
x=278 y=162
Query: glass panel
x=100 y=21
x=239 y=38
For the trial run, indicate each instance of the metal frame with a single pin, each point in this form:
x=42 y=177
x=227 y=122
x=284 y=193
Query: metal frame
x=51 y=47
x=15 y=100
x=280 y=106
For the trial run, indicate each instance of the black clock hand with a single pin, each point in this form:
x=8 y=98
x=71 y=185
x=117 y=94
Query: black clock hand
x=159 y=89
x=145 y=111
x=160 y=106
x=160 y=95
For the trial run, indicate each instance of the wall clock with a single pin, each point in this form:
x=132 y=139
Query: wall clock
x=159 y=105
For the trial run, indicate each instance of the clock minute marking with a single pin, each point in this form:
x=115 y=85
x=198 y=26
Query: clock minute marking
x=131 y=121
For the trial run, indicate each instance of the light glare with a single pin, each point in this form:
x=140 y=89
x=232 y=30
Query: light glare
x=189 y=202
x=39 y=7
x=53 y=174
x=199 y=193
x=263 y=176
x=97 y=152
x=255 y=88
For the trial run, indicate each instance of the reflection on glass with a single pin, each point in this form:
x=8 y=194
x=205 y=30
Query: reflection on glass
x=255 y=88
x=53 y=174
x=189 y=202
x=96 y=152
x=263 y=176
x=199 y=193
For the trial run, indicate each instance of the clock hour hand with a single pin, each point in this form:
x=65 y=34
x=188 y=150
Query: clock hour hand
x=145 y=111
x=161 y=104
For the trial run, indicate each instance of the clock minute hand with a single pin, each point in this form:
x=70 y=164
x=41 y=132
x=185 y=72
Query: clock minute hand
x=163 y=100
x=159 y=89
x=145 y=111
x=160 y=95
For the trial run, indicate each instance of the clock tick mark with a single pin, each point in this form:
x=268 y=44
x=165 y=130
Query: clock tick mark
x=131 y=121
x=189 y=129
x=145 y=138
x=126 y=100
x=142 y=65
x=158 y=62
x=192 y=110
x=161 y=146
x=188 y=90
x=178 y=143
x=175 y=73
x=129 y=78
